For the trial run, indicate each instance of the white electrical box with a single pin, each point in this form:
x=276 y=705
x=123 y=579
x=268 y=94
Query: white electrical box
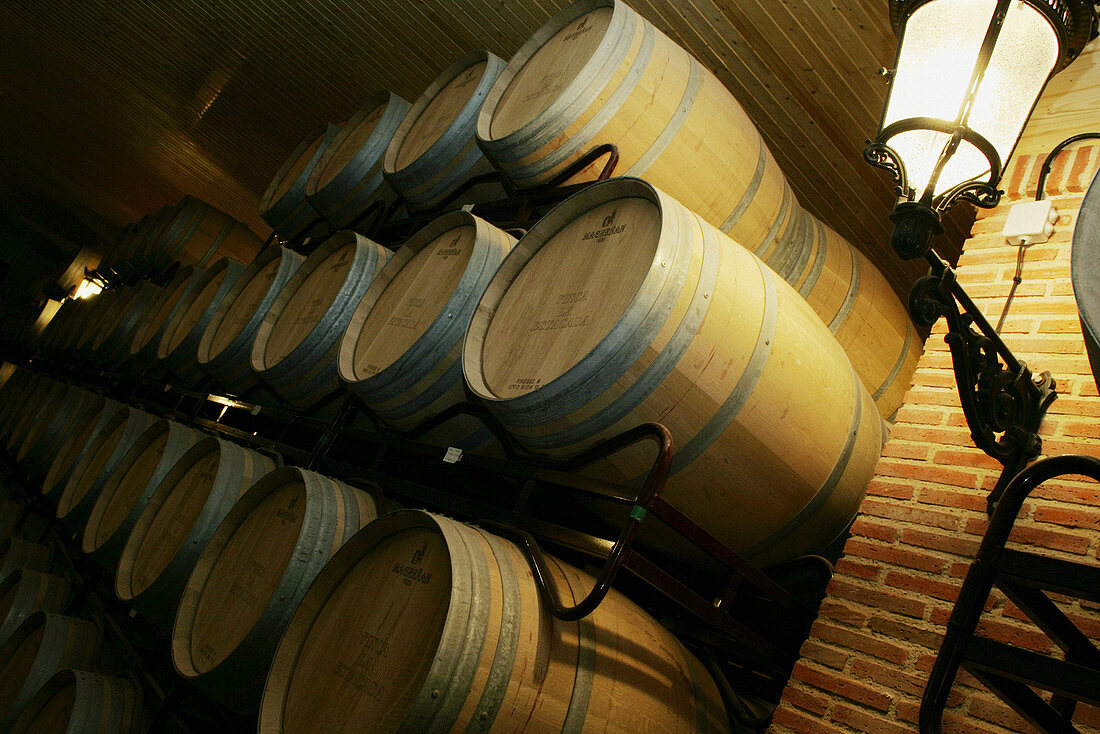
x=1030 y=222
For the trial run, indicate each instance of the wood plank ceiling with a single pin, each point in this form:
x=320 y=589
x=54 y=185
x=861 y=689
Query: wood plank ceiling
x=121 y=106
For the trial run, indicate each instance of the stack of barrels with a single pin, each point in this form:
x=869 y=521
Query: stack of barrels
x=693 y=291
x=256 y=575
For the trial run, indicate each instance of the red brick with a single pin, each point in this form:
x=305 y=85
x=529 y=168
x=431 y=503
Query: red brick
x=842 y=686
x=883 y=600
x=1043 y=538
x=1072 y=518
x=1011 y=633
x=962 y=725
x=957 y=544
x=884 y=488
x=974 y=501
x=869 y=528
x=921 y=416
x=909 y=514
x=889 y=676
x=973 y=458
x=793 y=720
x=903 y=450
x=1087 y=495
x=858 y=641
x=814 y=702
x=940 y=436
x=908 y=711
x=894 y=555
x=934 y=588
x=830 y=657
x=841 y=612
x=898 y=629
x=847 y=567
x=996 y=712
x=863 y=721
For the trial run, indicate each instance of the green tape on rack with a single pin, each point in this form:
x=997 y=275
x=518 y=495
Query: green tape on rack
x=638 y=512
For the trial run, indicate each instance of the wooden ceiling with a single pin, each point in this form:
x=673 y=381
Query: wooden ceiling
x=117 y=107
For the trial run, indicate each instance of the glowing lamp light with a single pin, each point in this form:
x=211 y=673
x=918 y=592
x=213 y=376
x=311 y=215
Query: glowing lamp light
x=88 y=288
x=965 y=81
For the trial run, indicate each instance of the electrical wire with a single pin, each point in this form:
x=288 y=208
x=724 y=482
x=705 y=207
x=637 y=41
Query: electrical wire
x=1040 y=194
x=1015 y=282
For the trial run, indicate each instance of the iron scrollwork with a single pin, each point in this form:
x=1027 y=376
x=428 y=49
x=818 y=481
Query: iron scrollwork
x=1002 y=401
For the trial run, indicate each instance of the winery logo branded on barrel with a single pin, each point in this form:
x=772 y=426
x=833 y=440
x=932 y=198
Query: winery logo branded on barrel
x=607 y=229
x=564 y=317
x=411 y=317
x=287 y=514
x=450 y=250
x=412 y=571
x=579 y=31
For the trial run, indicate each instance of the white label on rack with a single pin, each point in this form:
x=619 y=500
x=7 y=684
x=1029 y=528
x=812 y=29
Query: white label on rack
x=452 y=456
x=467 y=207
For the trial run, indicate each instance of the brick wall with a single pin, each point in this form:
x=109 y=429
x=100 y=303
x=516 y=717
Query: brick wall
x=866 y=663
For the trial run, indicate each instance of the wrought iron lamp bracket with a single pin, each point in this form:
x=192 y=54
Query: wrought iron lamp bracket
x=1001 y=399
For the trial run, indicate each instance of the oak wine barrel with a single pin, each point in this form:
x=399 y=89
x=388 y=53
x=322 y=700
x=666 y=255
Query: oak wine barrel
x=129 y=487
x=598 y=72
x=41 y=646
x=420 y=623
x=252 y=575
x=178 y=520
x=284 y=205
x=17 y=553
x=199 y=234
x=347 y=180
x=26 y=591
x=621 y=307
x=298 y=340
x=78 y=444
x=143 y=350
x=434 y=150
x=226 y=344
x=401 y=351
x=177 y=352
x=102 y=458
x=83 y=702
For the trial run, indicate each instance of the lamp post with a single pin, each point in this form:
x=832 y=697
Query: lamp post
x=966 y=78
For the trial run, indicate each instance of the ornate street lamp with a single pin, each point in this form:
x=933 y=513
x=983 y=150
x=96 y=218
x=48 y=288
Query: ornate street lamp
x=966 y=78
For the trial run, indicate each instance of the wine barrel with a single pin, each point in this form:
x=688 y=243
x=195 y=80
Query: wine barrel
x=44 y=401
x=178 y=520
x=143 y=350
x=177 y=351
x=226 y=343
x=53 y=429
x=17 y=553
x=40 y=392
x=99 y=463
x=13 y=398
x=11 y=513
x=197 y=234
x=26 y=591
x=44 y=644
x=622 y=307
x=284 y=205
x=298 y=340
x=129 y=487
x=347 y=180
x=82 y=702
x=78 y=444
x=252 y=574
x=1085 y=273
x=598 y=72
x=434 y=150
x=401 y=351
x=420 y=623
x=112 y=345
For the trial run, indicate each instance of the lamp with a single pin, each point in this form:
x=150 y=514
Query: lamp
x=965 y=81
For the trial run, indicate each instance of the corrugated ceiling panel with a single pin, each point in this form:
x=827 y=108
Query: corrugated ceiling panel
x=125 y=106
